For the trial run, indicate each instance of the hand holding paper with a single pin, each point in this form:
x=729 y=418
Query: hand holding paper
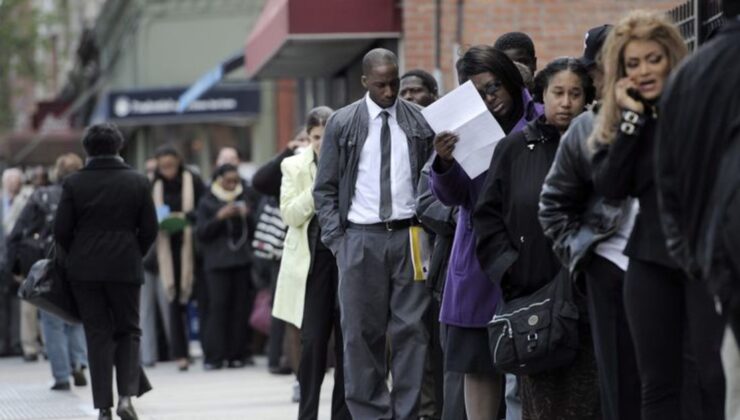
x=463 y=112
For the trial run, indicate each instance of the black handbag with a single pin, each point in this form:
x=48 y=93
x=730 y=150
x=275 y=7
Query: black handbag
x=536 y=333
x=46 y=288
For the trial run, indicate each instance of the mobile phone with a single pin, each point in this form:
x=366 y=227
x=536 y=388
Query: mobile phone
x=635 y=94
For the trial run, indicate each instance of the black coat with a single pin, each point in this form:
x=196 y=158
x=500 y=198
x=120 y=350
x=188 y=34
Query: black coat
x=572 y=215
x=511 y=247
x=625 y=169
x=268 y=178
x=696 y=173
x=105 y=222
x=219 y=238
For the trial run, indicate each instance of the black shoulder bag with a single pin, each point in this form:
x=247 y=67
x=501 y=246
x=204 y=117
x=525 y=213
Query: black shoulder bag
x=536 y=333
x=46 y=288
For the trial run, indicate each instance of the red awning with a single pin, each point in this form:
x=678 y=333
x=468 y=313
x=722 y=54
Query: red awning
x=308 y=38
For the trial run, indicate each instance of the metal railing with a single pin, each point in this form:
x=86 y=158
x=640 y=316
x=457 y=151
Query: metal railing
x=697 y=19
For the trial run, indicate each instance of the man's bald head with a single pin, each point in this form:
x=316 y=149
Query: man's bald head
x=380 y=76
x=12 y=181
x=377 y=58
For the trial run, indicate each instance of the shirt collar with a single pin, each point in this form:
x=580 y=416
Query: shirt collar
x=374 y=110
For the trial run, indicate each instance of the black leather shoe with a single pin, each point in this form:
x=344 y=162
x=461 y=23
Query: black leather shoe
x=125 y=409
x=30 y=357
x=61 y=386
x=105 y=414
x=79 y=377
x=208 y=366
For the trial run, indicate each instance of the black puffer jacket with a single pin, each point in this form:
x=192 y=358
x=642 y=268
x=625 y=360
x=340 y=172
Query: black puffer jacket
x=571 y=214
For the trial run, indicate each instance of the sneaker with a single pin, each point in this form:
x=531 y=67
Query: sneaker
x=296 y=392
x=61 y=386
x=30 y=357
x=79 y=377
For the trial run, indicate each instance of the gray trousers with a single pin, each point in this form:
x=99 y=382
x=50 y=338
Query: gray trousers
x=153 y=300
x=731 y=365
x=378 y=296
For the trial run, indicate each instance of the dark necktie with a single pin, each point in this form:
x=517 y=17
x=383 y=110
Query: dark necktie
x=386 y=199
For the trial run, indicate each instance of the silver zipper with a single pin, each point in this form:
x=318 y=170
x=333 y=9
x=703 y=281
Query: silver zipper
x=498 y=342
x=496 y=317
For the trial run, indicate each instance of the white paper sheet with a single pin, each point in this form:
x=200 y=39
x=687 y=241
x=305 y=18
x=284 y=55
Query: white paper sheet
x=464 y=113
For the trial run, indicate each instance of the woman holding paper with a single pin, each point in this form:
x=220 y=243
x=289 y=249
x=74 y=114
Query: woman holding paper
x=176 y=192
x=469 y=300
x=513 y=249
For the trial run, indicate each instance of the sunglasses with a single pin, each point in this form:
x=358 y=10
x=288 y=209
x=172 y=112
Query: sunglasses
x=491 y=89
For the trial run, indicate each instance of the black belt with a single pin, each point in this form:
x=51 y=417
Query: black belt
x=389 y=226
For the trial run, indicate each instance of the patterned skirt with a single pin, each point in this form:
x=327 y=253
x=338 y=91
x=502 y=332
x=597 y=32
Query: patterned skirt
x=568 y=393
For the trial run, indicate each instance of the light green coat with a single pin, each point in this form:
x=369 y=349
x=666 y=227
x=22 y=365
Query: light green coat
x=297 y=209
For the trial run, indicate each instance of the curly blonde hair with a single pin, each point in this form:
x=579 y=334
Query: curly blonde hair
x=640 y=25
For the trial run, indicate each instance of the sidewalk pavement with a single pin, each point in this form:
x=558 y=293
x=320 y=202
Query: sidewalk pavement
x=250 y=393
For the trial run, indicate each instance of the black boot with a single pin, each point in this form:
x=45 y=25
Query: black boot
x=125 y=409
x=105 y=414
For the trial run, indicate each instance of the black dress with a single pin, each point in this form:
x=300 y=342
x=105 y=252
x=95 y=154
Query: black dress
x=513 y=250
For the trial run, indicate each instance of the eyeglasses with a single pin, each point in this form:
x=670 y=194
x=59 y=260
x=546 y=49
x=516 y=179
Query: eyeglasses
x=491 y=89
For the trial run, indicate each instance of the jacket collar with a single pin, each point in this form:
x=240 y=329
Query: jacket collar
x=374 y=110
x=105 y=162
x=538 y=131
x=532 y=111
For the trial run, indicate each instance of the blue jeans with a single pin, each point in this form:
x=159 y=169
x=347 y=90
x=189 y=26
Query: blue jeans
x=65 y=346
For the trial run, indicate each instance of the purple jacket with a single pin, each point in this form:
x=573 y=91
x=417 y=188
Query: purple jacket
x=469 y=298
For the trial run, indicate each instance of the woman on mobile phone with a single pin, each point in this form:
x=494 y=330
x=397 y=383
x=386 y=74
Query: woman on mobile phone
x=662 y=304
x=224 y=228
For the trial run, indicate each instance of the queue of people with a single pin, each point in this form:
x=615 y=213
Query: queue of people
x=592 y=192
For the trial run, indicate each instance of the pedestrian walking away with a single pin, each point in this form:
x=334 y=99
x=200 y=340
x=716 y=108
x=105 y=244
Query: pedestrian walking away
x=32 y=240
x=105 y=223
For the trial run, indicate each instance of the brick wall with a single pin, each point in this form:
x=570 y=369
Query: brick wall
x=556 y=26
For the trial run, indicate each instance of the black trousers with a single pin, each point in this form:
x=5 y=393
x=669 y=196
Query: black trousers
x=669 y=317
x=268 y=271
x=320 y=318
x=230 y=297
x=110 y=315
x=432 y=389
x=619 y=380
x=453 y=406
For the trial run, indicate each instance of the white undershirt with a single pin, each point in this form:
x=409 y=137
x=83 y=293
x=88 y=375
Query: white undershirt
x=613 y=248
x=365 y=205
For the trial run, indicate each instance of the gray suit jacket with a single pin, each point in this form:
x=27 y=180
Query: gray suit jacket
x=344 y=138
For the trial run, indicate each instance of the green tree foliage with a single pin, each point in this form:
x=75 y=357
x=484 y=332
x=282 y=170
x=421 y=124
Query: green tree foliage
x=19 y=40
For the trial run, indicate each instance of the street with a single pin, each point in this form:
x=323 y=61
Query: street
x=229 y=394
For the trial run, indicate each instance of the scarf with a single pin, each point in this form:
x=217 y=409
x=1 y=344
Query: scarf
x=164 y=249
x=222 y=194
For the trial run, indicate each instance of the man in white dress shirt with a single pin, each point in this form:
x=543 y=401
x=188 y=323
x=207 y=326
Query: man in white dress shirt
x=365 y=193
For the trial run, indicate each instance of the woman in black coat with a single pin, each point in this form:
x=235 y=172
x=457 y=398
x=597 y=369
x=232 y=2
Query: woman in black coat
x=224 y=230
x=105 y=223
x=176 y=192
x=512 y=248
x=669 y=315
